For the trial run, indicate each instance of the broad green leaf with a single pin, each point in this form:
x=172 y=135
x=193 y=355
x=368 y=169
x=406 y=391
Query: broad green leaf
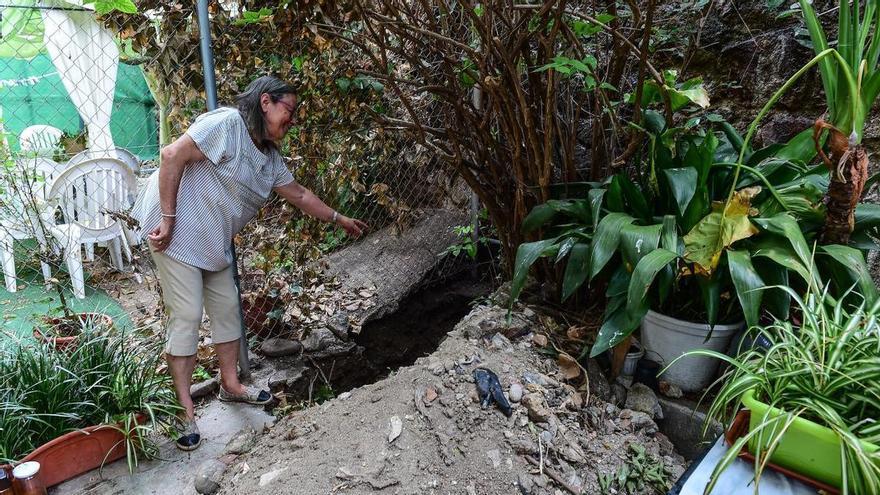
x=637 y=240
x=683 y=184
x=606 y=240
x=106 y=6
x=565 y=247
x=776 y=301
x=719 y=230
x=577 y=270
x=619 y=324
x=595 y=198
x=538 y=217
x=633 y=197
x=852 y=262
x=680 y=98
x=785 y=256
x=526 y=255
x=800 y=148
x=786 y=226
x=643 y=276
x=747 y=283
x=669 y=234
x=867 y=216
x=710 y=290
x=614 y=196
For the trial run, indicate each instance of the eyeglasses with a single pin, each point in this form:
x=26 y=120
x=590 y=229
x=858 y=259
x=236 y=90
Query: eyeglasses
x=290 y=108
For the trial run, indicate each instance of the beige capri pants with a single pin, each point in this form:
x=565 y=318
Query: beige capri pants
x=186 y=290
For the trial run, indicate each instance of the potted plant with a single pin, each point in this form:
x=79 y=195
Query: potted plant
x=813 y=408
x=684 y=249
x=76 y=410
x=62 y=332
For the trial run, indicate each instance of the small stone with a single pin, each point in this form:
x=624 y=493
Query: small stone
x=208 y=476
x=318 y=340
x=242 y=442
x=642 y=420
x=665 y=444
x=277 y=347
x=495 y=457
x=670 y=390
x=430 y=395
x=546 y=437
x=523 y=446
x=204 y=389
x=599 y=386
x=501 y=342
x=269 y=477
x=525 y=484
x=286 y=378
x=641 y=398
x=344 y=395
x=618 y=394
x=395 y=428
x=515 y=393
x=537 y=408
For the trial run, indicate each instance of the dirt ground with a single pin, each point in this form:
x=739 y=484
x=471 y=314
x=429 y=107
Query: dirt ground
x=421 y=429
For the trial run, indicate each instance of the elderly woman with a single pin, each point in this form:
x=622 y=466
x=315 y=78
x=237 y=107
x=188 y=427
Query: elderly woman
x=212 y=181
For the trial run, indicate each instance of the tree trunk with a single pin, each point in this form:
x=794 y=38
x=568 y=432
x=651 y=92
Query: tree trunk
x=848 y=167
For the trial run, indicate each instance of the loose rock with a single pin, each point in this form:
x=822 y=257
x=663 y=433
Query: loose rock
x=242 y=442
x=277 y=347
x=536 y=407
x=208 y=476
x=204 y=389
x=641 y=398
x=269 y=477
x=396 y=427
x=515 y=393
x=318 y=340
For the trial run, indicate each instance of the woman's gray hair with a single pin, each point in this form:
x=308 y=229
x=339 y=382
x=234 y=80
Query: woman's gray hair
x=250 y=109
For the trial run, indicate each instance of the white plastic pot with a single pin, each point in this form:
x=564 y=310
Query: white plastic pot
x=632 y=358
x=665 y=338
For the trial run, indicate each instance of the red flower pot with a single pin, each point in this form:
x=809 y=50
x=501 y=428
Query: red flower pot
x=66 y=342
x=78 y=452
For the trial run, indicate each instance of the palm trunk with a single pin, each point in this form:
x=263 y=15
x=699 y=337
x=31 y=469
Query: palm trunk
x=848 y=167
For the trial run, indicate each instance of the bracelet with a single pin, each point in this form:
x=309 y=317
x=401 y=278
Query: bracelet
x=169 y=215
x=335 y=216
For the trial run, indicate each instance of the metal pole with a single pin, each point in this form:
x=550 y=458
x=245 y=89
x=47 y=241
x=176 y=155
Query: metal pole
x=211 y=97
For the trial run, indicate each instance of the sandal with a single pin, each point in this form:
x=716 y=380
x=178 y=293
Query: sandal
x=252 y=396
x=190 y=438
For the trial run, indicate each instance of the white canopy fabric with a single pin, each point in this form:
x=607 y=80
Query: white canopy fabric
x=87 y=59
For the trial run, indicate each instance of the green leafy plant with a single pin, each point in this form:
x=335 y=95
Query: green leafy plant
x=639 y=473
x=851 y=79
x=708 y=222
x=466 y=243
x=108 y=379
x=823 y=370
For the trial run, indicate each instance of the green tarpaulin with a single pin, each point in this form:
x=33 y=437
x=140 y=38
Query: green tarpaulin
x=31 y=91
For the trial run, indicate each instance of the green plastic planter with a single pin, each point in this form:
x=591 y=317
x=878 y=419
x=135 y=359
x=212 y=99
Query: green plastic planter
x=806 y=447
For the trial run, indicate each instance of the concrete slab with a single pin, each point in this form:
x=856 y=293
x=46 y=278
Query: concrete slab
x=174 y=472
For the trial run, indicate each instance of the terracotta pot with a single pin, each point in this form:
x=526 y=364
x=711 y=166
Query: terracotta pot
x=68 y=342
x=78 y=452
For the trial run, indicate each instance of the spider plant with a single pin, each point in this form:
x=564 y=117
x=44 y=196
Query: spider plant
x=851 y=80
x=110 y=378
x=825 y=370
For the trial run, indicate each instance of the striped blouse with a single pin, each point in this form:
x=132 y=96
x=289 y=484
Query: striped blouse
x=217 y=196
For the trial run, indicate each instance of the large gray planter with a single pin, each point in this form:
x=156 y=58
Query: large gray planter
x=665 y=338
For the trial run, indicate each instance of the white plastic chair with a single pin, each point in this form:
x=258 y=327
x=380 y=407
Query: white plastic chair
x=40 y=140
x=133 y=163
x=24 y=217
x=87 y=193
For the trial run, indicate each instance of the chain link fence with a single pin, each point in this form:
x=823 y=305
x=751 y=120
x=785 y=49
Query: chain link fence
x=87 y=102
